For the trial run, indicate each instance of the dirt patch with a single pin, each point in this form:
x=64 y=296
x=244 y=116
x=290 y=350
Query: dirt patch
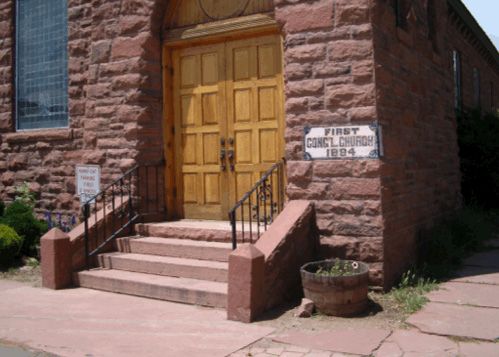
x=28 y=270
x=381 y=313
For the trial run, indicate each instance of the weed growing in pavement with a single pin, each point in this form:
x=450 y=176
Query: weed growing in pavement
x=410 y=292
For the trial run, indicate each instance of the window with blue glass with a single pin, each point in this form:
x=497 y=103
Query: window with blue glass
x=41 y=64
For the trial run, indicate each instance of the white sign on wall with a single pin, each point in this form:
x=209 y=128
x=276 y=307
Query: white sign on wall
x=341 y=142
x=87 y=181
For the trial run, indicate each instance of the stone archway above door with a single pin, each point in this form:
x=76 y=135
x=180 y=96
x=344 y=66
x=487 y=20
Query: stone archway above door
x=195 y=20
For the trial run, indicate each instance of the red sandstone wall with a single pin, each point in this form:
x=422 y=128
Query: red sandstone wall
x=6 y=74
x=329 y=79
x=459 y=38
x=115 y=101
x=415 y=97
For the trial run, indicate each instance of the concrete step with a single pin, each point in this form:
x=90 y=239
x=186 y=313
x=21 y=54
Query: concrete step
x=167 y=266
x=183 y=290
x=174 y=247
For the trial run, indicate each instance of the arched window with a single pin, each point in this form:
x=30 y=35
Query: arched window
x=41 y=64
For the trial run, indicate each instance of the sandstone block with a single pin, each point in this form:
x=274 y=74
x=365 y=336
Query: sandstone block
x=18 y=161
x=305 y=53
x=132 y=80
x=100 y=51
x=296 y=105
x=299 y=171
x=8 y=178
x=305 y=17
x=363 y=72
x=246 y=283
x=100 y=90
x=77 y=48
x=348 y=96
x=350 y=50
x=349 y=13
x=304 y=88
x=363 y=115
x=367 y=168
x=137 y=7
x=306 y=308
x=332 y=168
x=56 y=259
x=311 y=191
x=339 y=207
x=293 y=71
x=142 y=45
x=348 y=188
x=330 y=69
x=134 y=24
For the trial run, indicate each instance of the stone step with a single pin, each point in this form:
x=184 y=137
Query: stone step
x=183 y=290
x=167 y=266
x=174 y=247
x=210 y=231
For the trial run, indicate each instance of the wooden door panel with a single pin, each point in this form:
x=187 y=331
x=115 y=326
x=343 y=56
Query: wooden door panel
x=255 y=113
x=267 y=103
x=268 y=146
x=268 y=58
x=199 y=106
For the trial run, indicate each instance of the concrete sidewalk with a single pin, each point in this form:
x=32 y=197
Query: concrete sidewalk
x=84 y=322
x=461 y=319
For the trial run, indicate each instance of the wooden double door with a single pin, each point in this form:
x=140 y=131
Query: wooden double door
x=228 y=110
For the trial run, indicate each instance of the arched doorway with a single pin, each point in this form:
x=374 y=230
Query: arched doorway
x=224 y=97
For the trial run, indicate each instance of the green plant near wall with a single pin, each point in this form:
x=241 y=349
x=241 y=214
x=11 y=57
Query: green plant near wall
x=410 y=292
x=19 y=216
x=25 y=195
x=10 y=245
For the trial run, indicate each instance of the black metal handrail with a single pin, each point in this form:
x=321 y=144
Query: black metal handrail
x=113 y=198
x=263 y=202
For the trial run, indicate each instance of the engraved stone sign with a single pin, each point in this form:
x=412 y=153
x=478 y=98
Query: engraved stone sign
x=342 y=142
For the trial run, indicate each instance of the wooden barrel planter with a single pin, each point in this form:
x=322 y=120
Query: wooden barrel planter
x=341 y=295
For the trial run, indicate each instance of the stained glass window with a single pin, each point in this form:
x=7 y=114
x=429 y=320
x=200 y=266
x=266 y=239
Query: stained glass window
x=41 y=64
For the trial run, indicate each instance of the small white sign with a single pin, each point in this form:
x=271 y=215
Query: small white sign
x=87 y=181
x=341 y=142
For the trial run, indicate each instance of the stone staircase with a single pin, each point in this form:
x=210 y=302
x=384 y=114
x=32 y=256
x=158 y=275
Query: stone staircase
x=183 y=261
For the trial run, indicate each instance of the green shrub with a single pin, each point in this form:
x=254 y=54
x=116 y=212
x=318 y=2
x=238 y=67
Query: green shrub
x=25 y=195
x=2 y=207
x=10 y=245
x=20 y=217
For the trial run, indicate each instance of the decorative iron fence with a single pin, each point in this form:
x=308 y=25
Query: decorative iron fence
x=138 y=193
x=259 y=207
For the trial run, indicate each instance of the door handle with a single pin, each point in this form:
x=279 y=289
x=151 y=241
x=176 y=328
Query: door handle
x=231 y=157
x=222 y=157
